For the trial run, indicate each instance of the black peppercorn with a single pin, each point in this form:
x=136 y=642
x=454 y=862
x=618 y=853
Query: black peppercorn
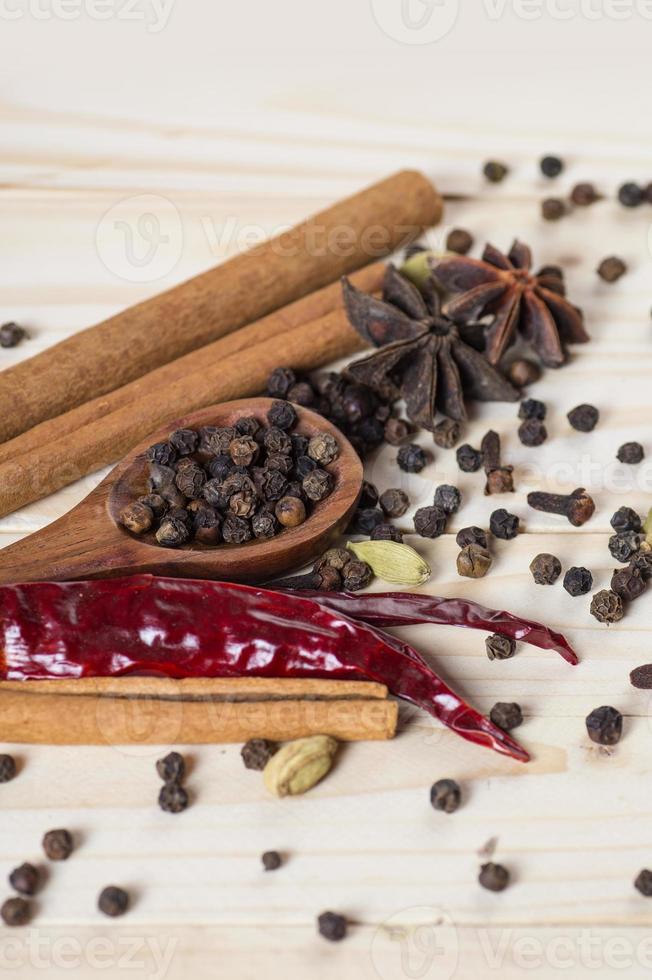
x=504 y=525
x=506 y=715
x=430 y=522
x=332 y=926
x=368 y=495
x=623 y=546
x=545 y=569
x=162 y=453
x=578 y=581
x=172 y=532
x=532 y=432
x=551 y=166
x=271 y=860
x=317 y=485
x=469 y=459
x=611 y=269
x=156 y=504
x=630 y=453
x=302 y=393
x=411 y=458
x=365 y=520
x=280 y=381
x=136 y=517
x=25 y=879
x=58 y=845
x=396 y=431
x=607 y=607
x=356 y=575
x=16 y=912
x=207 y=526
x=243 y=503
x=184 y=441
x=242 y=450
x=584 y=194
x=495 y=171
x=323 y=448
x=336 y=558
x=236 y=530
x=642 y=562
x=500 y=647
x=386 y=532
x=171 y=767
x=472 y=535
x=173 y=798
x=553 y=208
x=630 y=195
x=460 y=241
x=628 y=583
x=277 y=441
x=626 y=519
x=473 y=561
x=282 y=415
x=247 y=426
x=290 y=511
x=257 y=752
x=448 y=498
x=445 y=795
x=394 y=502
x=605 y=725
x=494 y=877
x=282 y=462
x=11 y=334
x=584 y=418
x=358 y=403
x=264 y=524
x=113 y=901
x=643 y=882
x=190 y=480
x=219 y=467
x=531 y=408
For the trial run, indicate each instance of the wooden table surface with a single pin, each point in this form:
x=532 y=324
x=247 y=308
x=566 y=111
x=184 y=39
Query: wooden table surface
x=110 y=193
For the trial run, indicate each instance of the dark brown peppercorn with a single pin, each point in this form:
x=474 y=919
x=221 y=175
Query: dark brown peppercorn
x=271 y=860
x=469 y=459
x=504 y=525
x=624 y=546
x=626 y=519
x=190 y=480
x=446 y=434
x=243 y=451
x=332 y=926
x=495 y=171
x=584 y=194
x=553 y=208
x=173 y=798
x=282 y=415
x=156 y=504
x=545 y=569
x=317 y=485
x=336 y=558
x=290 y=511
x=630 y=194
x=396 y=431
x=219 y=467
x=25 y=879
x=448 y=498
x=172 y=532
x=411 y=459
x=16 y=912
x=11 y=334
x=264 y=525
x=507 y=715
x=500 y=647
x=630 y=453
x=605 y=725
x=323 y=448
x=642 y=562
x=356 y=575
x=472 y=535
x=368 y=495
x=494 y=877
x=276 y=441
x=523 y=373
x=247 y=426
x=257 y=752
x=207 y=526
x=243 y=503
x=607 y=607
x=236 y=530
x=578 y=581
x=301 y=393
x=394 y=502
x=162 y=453
x=584 y=418
x=641 y=677
x=551 y=166
x=113 y=901
x=327 y=579
x=430 y=522
x=628 y=583
x=386 y=532
x=532 y=432
x=643 y=882
x=185 y=441
x=473 y=561
x=460 y=241
x=7 y=768
x=58 y=845
x=280 y=381
x=611 y=269
x=531 y=408
x=445 y=795
x=171 y=767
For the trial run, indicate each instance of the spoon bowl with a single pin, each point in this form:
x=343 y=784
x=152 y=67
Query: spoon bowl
x=90 y=542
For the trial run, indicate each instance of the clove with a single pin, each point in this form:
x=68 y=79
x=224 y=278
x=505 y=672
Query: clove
x=577 y=506
x=499 y=478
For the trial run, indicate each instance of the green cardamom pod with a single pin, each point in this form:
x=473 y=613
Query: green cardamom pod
x=299 y=765
x=418 y=268
x=647 y=528
x=392 y=562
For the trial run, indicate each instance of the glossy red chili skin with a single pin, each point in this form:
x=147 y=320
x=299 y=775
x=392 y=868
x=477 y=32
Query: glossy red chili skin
x=190 y=628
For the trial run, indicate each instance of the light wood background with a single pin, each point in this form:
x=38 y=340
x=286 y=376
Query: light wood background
x=254 y=117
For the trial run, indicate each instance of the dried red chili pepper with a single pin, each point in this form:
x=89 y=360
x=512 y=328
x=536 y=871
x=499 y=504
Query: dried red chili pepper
x=383 y=609
x=190 y=628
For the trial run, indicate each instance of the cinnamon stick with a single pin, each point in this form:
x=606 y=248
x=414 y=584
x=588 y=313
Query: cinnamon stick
x=304 y=310
x=337 y=241
x=59 y=463
x=151 y=711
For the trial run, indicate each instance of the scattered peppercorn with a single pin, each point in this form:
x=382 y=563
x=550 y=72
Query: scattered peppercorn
x=368 y=495
x=642 y=562
x=643 y=882
x=396 y=431
x=628 y=583
x=641 y=677
x=7 y=768
x=469 y=459
x=630 y=195
x=280 y=381
x=446 y=433
x=494 y=877
x=332 y=926
x=473 y=561
x=386 y=532
x=611 y=269
x=605 y=725
x=545 y=569
x=472 y=535
x=578 y=581
x=411 y=458
x=282 y=415
x=584 y=418
x=394 y=502
x=25 y=879
x=626 y=519
x=113 y=901
x=172 y=767
x=11 y=334
x=584 y=194
x=500 y=647
x=523 y=373
x=58 y=845
x=532 y=432
x=553 y=208
x=504 y=525
x=301 y=393
x=607 y=607
x=445 y=795
x=532 y=409
x=448 y=498
x=173 y=798
x=551 y=166
x=257 y=752
x=430 y=522
x=460 y=241
x=624 y=545
x=495 y=171
x=366 y=519
x=271 y=860
x=630 y=453
x=506 y=714
x=16 y=912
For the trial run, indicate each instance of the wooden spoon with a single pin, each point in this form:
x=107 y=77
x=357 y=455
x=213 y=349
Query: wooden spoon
x=89 y=542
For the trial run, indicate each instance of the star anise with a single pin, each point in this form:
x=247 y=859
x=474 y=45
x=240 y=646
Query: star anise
x=423 y=356
x=521 y=302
